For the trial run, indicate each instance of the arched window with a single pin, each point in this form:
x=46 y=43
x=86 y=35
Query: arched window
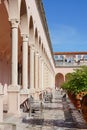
x=55 y=57
x=85 y=57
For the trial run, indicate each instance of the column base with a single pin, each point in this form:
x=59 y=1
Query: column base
x=32 y=92
x=14 y=99
x=36 y=96
x=38 y=93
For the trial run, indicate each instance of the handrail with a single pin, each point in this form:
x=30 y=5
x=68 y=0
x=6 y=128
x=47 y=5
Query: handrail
x=25 y=105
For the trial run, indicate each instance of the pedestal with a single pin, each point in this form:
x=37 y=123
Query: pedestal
x=14 y=99
x=1 y=107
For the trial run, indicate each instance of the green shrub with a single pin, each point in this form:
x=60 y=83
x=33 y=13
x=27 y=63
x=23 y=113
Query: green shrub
x=77 y=81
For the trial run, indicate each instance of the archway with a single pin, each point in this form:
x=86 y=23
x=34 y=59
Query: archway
x=36 y=36
x=67 y=76
x=31 y=30
x=59 y=79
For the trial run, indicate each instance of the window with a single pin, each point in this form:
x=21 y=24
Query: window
x=55 y=57
x=85 y=57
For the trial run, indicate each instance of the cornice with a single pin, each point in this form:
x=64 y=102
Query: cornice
x=41 y=11
x=70 y=53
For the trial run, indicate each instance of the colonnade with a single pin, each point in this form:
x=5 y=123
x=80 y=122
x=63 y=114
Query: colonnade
x=40 y=70
x=30 y=34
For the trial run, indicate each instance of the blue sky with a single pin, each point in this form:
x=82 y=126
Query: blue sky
x=67 y=23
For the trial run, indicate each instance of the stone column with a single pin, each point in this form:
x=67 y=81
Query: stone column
x=13 y=89
x=42 y=77
x=36 y=95
x=25 y=62
x=24 y=91
x=40 y=80
x=42 y=74
x=31 y=68
x=47 y=77
x=36 y=70
x=14 y=52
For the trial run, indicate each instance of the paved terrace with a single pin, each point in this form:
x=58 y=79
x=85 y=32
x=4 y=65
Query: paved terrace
x=58 y=115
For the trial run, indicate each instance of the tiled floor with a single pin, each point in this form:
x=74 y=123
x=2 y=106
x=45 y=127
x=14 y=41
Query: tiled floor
x=53 y=116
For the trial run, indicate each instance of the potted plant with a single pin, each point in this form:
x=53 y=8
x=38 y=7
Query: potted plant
x=76 y=85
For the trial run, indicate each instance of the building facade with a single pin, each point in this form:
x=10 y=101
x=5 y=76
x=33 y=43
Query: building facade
x=66 y=62
x=26 y=56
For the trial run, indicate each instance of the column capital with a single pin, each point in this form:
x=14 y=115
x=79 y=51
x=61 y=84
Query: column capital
x=37 y=54
x=42 y=59
x=32 y=43
x=25 y=37
x=14 y=23
x=40 y=56
x=32 y=48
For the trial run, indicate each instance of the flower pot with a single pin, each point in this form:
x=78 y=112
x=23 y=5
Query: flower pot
x=84 y=107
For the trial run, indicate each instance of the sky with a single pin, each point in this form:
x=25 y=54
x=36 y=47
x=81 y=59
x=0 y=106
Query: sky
x=67 y=24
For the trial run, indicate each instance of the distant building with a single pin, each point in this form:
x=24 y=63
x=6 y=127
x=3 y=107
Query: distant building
x=66 y=62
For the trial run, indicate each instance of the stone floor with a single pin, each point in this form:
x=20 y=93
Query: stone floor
x=58 y=115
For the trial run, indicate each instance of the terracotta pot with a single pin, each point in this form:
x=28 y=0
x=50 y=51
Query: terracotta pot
x=84 y=107
x=74 y=100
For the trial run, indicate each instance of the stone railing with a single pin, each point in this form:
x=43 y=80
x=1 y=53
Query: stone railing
x=59 y=64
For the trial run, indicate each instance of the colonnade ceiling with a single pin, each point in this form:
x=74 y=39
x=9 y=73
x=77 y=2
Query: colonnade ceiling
x=5 y=32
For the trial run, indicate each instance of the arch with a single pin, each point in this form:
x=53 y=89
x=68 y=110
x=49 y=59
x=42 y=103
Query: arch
x=39 y=42
x=36 y=36
x=67 y=76
x=31 y=29
x=23 y=18
x=59 y=79
x=42 y=47
x=14 y=5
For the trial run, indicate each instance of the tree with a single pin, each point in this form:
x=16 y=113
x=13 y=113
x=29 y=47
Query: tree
x=77 y=81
